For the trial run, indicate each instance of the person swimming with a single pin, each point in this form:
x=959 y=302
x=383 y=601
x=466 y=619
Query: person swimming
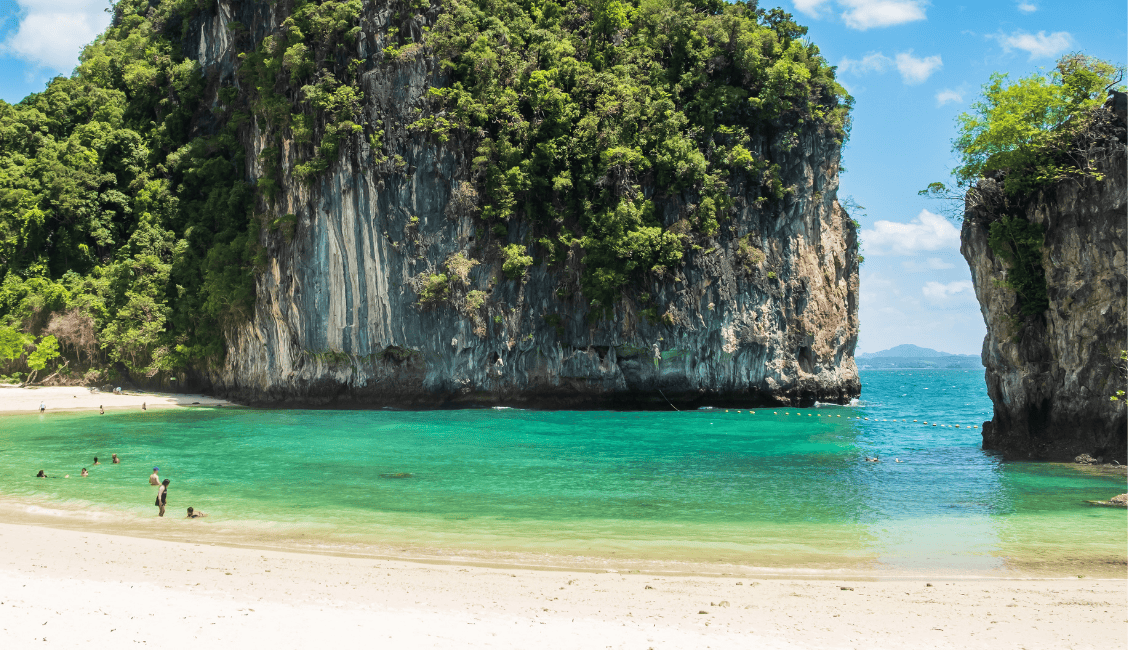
x=195 y=514
x=85 y=473
x=41 y=474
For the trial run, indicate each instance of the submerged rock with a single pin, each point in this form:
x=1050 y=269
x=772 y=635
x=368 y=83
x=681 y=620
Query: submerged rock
x=1119 y=501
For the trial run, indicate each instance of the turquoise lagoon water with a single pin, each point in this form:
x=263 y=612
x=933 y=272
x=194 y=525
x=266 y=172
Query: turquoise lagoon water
x=776 y=489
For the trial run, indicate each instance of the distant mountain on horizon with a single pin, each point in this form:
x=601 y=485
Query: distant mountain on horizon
x=909 y=351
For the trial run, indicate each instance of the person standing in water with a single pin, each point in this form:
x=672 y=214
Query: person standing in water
x=153 y=478
x=85 y=473
x=162 y=497
x=96 y=461
x=116 y=459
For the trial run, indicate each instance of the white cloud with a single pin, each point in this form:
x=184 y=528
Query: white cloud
x=52 y=32
x=948 y=96
x=864 y=14
x=930 y=264
x=1039 y=46
x=1027 y=8
x=938 y=291
x=810 y=7
x=872 y=62
x=913 y=70
x=927 y=232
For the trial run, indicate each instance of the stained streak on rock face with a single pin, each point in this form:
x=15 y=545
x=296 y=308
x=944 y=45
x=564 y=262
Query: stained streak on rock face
x=1051 y=387
x=338 y=318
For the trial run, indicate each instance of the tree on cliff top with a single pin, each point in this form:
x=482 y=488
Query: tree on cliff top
x=1021 y=126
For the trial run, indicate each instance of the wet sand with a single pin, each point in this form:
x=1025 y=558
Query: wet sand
x=98 y=590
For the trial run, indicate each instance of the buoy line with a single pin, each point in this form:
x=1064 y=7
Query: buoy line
x=859 y=417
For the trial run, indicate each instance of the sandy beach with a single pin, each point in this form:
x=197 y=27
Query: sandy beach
x=14 y=399
x=63 y=587
x=103 y=583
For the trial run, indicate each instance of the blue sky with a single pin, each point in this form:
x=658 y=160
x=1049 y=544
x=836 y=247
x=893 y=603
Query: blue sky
x=912 y=67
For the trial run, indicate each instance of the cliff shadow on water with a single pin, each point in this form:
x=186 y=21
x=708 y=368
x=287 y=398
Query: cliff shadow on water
x=1049 y=271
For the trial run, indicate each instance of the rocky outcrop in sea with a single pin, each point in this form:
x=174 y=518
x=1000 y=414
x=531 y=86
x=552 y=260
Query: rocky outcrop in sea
x=763 y=311
x=1051 y=374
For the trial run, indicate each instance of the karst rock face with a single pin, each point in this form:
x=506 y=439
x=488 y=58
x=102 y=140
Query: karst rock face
x=339 y=318
x=1051 y=378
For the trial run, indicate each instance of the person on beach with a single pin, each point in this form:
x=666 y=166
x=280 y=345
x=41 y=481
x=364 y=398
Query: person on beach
x=195 y=514
x=153 y=478
x=42 y=407
x=96 y=461
x=116 y=459
x=101 y=411
x=41 y=474
x=143 y=406
x=162 y=497
x=85 y=473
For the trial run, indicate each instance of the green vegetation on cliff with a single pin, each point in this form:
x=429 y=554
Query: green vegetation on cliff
x=130 y=231
x=584 y=112
x=1026 y=132
x=125 y=230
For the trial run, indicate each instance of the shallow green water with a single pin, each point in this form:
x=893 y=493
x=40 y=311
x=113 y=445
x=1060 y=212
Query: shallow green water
x=777 y=488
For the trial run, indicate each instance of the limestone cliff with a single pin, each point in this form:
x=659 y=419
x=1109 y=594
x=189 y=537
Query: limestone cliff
x=762 y=311
x=1050 y=376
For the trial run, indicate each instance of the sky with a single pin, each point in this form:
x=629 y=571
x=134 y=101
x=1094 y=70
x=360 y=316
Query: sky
x=912 y=67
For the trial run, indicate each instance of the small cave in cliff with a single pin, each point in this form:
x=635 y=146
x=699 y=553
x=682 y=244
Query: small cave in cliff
x=806 y=359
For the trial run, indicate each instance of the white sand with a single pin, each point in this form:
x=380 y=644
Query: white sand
x=14 y=399
x=77 y=588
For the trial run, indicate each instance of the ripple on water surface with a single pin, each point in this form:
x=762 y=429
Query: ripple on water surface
x=777 y=487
